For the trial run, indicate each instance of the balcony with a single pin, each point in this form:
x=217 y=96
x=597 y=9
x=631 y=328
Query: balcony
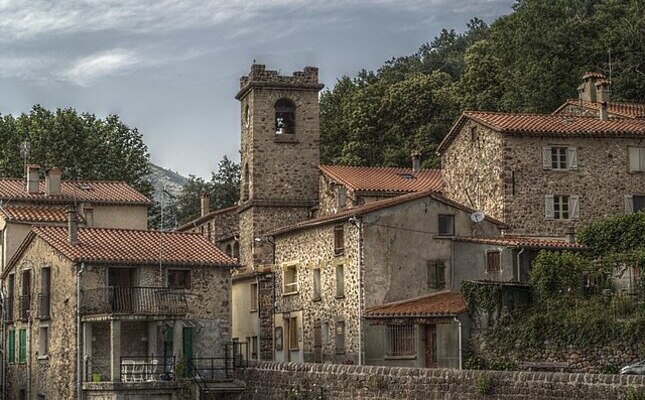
x=124 y=301
x=25 y=307
x=43 y=305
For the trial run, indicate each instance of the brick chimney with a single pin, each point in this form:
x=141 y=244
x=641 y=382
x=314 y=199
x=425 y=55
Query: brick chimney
x=72 y=225
x=602 y=90
x=33 y=178
x=416 y=161
x=52 y=181
x=205 y=201
x=587 y=91
x=89 y=216
x=603 y=111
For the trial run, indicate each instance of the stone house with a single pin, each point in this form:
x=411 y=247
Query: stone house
x=96 y=313
x=330 y=270
x=35 y=201
x=544 y=175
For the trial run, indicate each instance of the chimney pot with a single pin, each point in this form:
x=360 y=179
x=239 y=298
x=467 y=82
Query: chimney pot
x=52 y=181
x=205 y=203
x=416 y=161
x=33 y=178
x=72 y=225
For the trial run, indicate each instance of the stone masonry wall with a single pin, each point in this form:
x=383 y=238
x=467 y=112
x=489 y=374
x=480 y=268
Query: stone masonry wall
x=274 y=381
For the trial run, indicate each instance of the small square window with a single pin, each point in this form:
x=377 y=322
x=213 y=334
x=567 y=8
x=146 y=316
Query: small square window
x=179 y=278
x=493 y=261
x=446 y=224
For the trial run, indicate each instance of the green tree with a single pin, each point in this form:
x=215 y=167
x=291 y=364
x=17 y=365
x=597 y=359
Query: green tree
x=557 y=274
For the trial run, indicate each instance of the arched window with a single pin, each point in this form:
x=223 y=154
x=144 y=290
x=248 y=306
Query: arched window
x=247 y=116
x=229 y=250
x=245 y=186
x=285 y=117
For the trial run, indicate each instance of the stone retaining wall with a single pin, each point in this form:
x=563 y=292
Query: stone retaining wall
x=271 y=380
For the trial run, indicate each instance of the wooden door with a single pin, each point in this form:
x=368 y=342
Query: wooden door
x=121 y=280
x=317 y=343
x=431 y=346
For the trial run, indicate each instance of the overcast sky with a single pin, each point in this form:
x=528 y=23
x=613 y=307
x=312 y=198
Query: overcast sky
x=171 y=67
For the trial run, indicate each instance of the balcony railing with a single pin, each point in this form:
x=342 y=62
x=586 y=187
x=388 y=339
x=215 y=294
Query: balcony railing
x=43 y=305
x=133 y=301
x=25 y=306
x=9 y=310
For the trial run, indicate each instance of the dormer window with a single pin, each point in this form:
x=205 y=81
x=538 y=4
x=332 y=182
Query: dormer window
x=285 y=121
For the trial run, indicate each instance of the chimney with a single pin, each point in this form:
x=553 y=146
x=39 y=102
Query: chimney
x=603 y=111
x=206 y=199
x=416 y=161
x=571 y=234
x=89 y=216
x=602 y=90
x=72 y=225
x=587 y=91
x=33 y=178
x=52 y=181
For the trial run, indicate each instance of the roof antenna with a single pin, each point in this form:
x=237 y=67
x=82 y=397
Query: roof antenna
x=610 y=71
x=25 y=151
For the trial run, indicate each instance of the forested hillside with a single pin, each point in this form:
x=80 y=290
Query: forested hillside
x=528 y=61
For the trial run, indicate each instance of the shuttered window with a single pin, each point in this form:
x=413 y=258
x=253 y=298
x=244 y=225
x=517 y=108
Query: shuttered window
x=559 y=157
x=562 y=207
x=636 y=159
x=493 y=261
x=11 y=353
x=436 y=270
x=22 y=346
x=634 y=203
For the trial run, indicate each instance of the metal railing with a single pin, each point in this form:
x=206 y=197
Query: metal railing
x=97 y=369
x=205 y=370
x=25 y=306
x=43 y=305
x=147 y=368
x=133 y=300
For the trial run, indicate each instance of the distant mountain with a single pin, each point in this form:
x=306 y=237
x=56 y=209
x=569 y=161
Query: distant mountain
x=171 y=180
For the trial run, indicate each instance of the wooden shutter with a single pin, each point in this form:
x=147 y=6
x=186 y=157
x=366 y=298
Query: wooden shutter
x=12 y=346
x=572 y=157
x=629 y=204
x=574 y=207
x=548 y=206
x=634 y=159
x=546 y=157
x=441 y=274
x=22 y=346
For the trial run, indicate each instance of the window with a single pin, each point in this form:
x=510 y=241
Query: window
x=11 y=345
x=562 y=207
x=229 y=250
x=254 y=347
x=473 y=134
x=559 y=157
x=493 y=261
x=436 y=274
x=254 y=296
x=634 y=203
x=22 y=346
x=446 y=224
x=340 y=281
x=236 y=251
x=636 y=159
x=43 y=341
x=44 y=298
x=340 y=337
x=290 y=279
x=247 y=116
x=179 y=278
x=285 y=121
x=316 y=283
x=10 y=296
x=293 y=333
x=400 y=341
x=339 y=240
x=25 y=299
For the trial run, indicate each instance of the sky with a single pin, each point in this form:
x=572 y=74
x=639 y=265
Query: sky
x=171 y=68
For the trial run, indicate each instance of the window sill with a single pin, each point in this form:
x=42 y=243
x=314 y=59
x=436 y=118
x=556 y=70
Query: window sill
x=295 y=349
x=285 y=138
x=339 y=254
x=253 y=310
x=43 y=358
x=290 y=294
x=316 y=299
x=400 y=357
x=339 y=297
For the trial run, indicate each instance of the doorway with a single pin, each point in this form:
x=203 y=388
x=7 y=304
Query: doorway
x=431 y=346
x=317 y=342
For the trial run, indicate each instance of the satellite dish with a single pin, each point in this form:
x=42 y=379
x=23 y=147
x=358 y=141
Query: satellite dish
x=477 y=216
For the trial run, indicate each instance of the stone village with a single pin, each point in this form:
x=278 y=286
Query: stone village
x=324 y=271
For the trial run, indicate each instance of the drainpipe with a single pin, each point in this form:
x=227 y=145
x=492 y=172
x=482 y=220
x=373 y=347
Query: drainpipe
x=519 y=276
x=359 y=224
x=29 y=354
x=460 y=354
x=4 y=335
x=79 y=364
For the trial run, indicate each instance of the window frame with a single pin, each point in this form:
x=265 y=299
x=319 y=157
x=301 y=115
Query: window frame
x=435 y=266
x=285 y=109
x=340 y=281
x=493 y=269
x=11 y=346
x=293 y=342
x=634 y=199
x=254 y=297
x=339 y=337
x=559 y=202
x=631 y=152
x=43 y=349
x=185 y=271
x=316 y=276
x=401 y=341
x=339 y=240
x=22 y=346
x=452 y=224
x=559 y=158
x=292 y=283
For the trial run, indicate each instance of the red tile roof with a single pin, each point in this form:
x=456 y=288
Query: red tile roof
x=441 y=304
x=623 y=110
x=205 y=218
x=96 y=192
x=35 y=214
x=375 y=206
x=547 y=125
x=591 y=74
x=129 y=247
x=516 y=241
x=384 y=179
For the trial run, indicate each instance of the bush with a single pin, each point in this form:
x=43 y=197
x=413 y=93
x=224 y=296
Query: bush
x=556 y=274
x=483 y=384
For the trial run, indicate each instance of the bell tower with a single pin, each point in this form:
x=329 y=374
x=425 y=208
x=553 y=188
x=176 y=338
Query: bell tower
x=280 y=153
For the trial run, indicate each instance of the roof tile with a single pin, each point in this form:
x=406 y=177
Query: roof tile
x=441 y=304
x=625 y=110
x=384 y=179
x=36 y=214
x=516 y=241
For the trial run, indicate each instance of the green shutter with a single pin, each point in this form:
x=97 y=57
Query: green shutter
x=12 y=346
x=22 y=346
x=188 y=342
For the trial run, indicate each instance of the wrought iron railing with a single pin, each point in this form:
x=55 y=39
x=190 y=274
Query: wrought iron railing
x=133 y=301
x=25 y=306
x=147 y=368
x=97 y=369
x=43 y=305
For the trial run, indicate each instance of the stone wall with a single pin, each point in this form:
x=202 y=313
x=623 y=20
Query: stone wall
x=273 y=381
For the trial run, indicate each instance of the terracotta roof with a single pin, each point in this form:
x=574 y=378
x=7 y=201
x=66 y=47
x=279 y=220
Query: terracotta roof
x=96 y=192
x=624 y=110
x=547 y=124
x=591 y=74
x=205 y=218
x=35 y=214
x=384 y=179
x=516 y=241
x=375 y=206
x=441 y=304
x=129 y=247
